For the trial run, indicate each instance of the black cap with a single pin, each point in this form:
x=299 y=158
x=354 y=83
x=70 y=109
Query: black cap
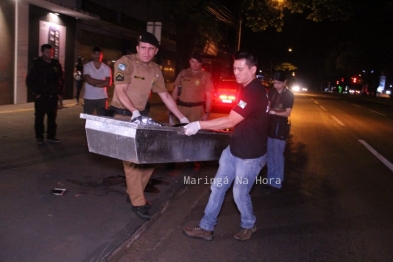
x=149 y=38
x=197 y=56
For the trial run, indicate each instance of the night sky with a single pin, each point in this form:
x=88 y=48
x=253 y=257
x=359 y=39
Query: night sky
x=368 y=30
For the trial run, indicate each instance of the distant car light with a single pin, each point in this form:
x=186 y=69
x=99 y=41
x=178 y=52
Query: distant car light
x=295 y=88
x=388 y=92
x=304 y=89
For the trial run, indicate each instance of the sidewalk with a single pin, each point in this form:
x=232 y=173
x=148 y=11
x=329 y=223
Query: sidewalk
x=92 y=221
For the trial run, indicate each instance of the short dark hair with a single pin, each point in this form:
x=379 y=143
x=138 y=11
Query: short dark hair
x=96 y=49
x=280 y=76
x=46 y=46
x=251 y=59
x=197 y=56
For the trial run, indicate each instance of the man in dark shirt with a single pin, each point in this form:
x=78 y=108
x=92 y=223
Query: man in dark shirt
x=241 y=162
x=45 y=81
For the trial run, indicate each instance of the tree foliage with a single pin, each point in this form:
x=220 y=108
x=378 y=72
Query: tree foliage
x=193 y=26
x=261 y=14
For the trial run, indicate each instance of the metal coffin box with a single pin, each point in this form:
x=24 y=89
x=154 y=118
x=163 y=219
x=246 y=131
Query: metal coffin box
x=144 y=144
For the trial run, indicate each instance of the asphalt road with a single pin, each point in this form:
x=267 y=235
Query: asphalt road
x=336 y=203
x=92 y=220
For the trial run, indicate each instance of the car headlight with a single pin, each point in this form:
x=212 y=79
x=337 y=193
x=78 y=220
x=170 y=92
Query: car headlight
x=296 y=88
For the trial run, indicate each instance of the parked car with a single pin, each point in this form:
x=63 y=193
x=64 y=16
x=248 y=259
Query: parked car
x=225 y=94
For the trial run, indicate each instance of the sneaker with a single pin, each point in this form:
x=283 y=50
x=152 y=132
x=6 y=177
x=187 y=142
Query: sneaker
x=245 y=233
x=53 y=140
x=142 y=212
x=198 y=232
x=40 y=141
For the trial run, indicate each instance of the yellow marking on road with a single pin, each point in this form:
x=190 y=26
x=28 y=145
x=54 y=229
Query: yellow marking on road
x=17 y=110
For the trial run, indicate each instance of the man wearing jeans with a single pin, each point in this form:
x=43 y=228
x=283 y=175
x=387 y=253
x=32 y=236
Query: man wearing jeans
x=241 y=162
x=281 y=104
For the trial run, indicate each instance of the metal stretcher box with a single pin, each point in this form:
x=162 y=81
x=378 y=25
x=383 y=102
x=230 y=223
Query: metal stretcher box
x=143 y=144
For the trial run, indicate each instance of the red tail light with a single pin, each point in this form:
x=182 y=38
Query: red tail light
x=227 y=98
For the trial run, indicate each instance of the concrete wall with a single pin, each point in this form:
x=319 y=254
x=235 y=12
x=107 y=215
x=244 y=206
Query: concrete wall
x=7 y=25
x=22 y=43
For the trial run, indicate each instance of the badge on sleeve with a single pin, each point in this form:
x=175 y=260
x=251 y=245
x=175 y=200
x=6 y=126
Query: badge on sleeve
x=242 y=104
x=122 y=67
x=119 y=77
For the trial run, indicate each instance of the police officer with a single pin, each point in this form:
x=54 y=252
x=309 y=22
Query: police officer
x=135 y=77
x=192 y=90
x=45 y=81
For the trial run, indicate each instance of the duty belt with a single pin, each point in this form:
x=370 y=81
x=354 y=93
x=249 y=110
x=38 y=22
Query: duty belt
x=121 y=111
x=181 y=103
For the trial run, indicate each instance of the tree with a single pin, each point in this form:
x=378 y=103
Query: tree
x=261 y=14
x=194 y=26
x=199 y=21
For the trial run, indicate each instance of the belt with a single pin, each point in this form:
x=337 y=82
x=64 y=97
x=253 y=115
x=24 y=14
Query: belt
x=181 y=103
x=120 y=111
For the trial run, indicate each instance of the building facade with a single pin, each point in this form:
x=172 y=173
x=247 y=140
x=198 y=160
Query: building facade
x=73 y=27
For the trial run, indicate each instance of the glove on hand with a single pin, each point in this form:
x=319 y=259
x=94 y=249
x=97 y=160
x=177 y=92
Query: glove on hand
x=192 y=128
x=184 y=120
x=135 y=114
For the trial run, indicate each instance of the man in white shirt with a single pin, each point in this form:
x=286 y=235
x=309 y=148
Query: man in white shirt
x=97 y=77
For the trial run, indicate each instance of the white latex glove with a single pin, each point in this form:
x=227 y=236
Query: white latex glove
x=135 y=113
x=184 y=120
x=192 y=128
x=272 y=112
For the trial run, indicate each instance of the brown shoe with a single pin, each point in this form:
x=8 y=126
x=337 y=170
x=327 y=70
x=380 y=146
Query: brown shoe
x=245 y=233
x=198 y=232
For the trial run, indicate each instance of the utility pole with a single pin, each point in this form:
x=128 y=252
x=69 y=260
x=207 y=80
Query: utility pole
x=239 y=33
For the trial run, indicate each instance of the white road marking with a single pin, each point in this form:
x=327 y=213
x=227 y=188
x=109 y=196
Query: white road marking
x=323 y=108
x=316 y=102
x=356 y=105
x=377 y=113
x=378 y=155
x=338 y=121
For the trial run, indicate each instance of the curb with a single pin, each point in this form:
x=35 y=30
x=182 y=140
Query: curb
x=171 y=195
